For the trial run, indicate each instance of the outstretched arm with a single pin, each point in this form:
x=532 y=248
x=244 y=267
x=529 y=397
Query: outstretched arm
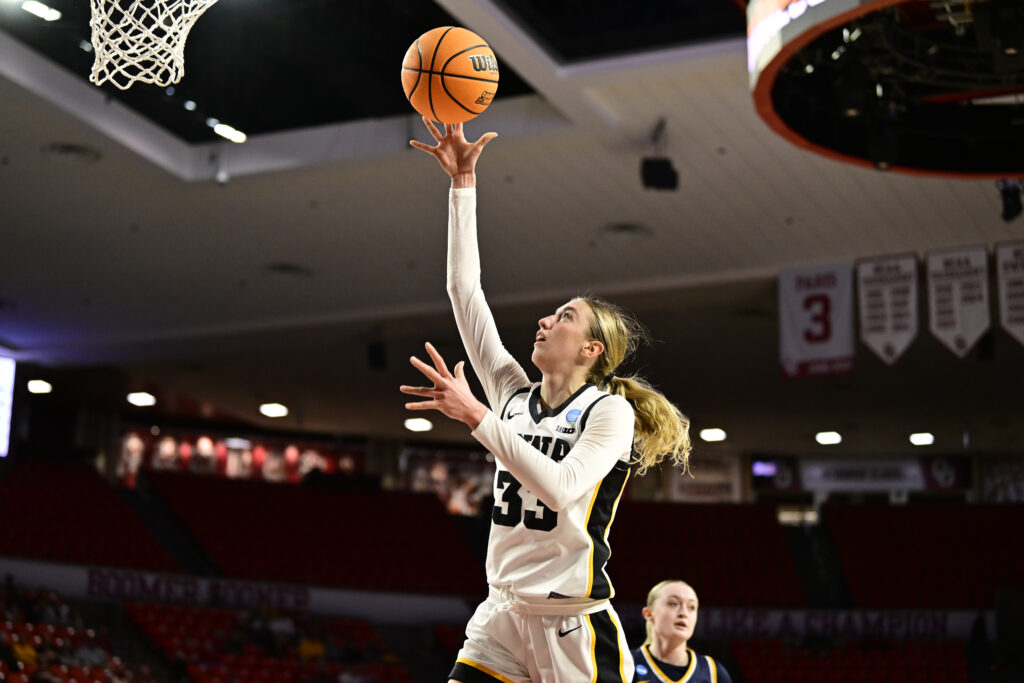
x=498 y=371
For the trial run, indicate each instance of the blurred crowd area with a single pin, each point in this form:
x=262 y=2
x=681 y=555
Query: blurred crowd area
x=45 y=640
x=230 y=457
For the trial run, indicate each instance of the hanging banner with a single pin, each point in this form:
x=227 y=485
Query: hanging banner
x=1010 y=272
x=958 y=297
x=717 y=479
x=887 y=298
x=816 y=320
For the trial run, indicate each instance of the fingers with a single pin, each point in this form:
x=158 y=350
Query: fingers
x=418 y=391
x=484 y=139
x=422 y=405
x=419 y=145
x=432 y=128
x=439 y=363
x=431 y=374
x=460 y=370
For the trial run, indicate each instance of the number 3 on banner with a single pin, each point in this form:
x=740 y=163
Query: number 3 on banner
x=820 y=308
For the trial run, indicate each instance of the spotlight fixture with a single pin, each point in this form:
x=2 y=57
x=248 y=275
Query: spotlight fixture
x=1009 y=190
x=418 y=424
x=657 y=172
x=922 y=438
x=273 y=409
x=141 y=399
x=39 y=386
x=828 y=438
x=712 y=434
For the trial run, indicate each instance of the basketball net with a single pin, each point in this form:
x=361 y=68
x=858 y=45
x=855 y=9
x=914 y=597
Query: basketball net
x=142 y=40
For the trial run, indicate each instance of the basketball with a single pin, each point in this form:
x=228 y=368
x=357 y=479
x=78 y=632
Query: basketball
x=450 y=74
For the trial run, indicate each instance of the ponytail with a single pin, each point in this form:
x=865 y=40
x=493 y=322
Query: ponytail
x=661 y=430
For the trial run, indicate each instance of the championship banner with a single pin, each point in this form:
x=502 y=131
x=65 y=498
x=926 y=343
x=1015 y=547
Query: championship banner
x=887 y=298
x=1010 y=272
x=958 y=297
x=816 y=320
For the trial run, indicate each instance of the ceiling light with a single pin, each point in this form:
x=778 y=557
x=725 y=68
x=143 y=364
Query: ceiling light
x=85 y=46
x=419 y=424
x=212 y=122
x=809 y=69
x=39 y=386
x=40 y=10
x=190 y=105
x=226 y=131
x=828 y=438
x=141 y=399
x=922 y=439
x=273 y=410
x=712 y=434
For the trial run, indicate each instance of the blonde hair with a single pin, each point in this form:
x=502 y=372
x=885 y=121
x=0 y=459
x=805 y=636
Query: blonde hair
x=661 y=430
x=652 y=597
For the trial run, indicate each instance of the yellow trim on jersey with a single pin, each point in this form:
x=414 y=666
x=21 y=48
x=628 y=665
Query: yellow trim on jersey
x=622 y=644
x=714 y=669
x=590 y=540
x=593 y=646
x=481 y=667
x=608 y=528
x=661 y=674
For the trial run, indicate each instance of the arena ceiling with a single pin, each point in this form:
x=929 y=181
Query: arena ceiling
x=141 y=251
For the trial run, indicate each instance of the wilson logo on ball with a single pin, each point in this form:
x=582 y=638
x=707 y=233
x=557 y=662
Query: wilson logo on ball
x=484 y=63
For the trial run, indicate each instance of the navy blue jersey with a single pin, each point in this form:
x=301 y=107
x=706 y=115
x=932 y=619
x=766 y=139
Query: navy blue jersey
x=701 y=669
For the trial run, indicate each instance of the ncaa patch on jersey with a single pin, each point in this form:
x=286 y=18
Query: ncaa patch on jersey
x=573 y=415
x=641 y=669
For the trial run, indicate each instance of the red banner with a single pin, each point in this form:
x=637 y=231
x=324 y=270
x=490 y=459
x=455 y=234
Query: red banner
x=816 y=320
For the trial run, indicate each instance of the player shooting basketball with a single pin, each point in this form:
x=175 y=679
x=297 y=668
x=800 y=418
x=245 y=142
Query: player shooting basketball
x=563 y=446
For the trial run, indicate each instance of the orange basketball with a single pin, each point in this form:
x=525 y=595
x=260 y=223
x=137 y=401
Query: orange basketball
x=450 y=74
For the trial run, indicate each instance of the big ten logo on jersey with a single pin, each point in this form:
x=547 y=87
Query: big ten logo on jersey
x=484 y=63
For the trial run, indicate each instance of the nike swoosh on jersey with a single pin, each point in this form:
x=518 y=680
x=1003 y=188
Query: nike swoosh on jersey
x=563 y=634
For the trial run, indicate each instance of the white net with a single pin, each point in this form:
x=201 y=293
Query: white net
x=142 y=40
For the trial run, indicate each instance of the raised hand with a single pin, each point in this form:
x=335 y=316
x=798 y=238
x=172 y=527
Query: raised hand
x=456 y=155
x=450 y=394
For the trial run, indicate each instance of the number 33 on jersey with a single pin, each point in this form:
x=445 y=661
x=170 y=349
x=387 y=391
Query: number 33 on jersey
x=541 y=552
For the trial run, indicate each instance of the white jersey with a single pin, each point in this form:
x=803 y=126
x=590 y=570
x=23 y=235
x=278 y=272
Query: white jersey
x=560 y=472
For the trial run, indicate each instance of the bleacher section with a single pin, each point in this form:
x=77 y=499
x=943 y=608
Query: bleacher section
x=68 y=513
x=220 y=645
x=733 y=555
x=928 y=556
x=390 y=541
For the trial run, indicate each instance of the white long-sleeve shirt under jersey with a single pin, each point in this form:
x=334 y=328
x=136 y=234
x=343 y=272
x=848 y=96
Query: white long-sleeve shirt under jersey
x=560 y=471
